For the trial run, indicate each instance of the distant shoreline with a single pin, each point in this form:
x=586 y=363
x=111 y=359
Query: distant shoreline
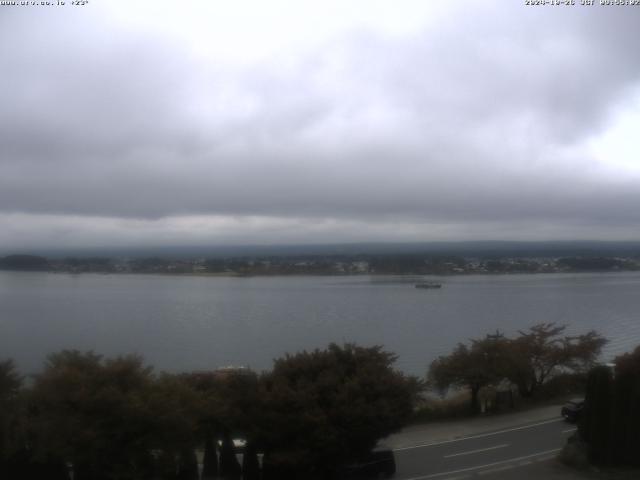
x=333 y=265
x=284 y=275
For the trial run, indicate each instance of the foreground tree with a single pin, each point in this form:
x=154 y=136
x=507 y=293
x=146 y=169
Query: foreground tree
x=327 y=407
x=229 y=407
x=595 y=426
x=472 y=367
x=209 y=412
x=528 y=360
x=210 y=459
x=187 y=465
x=91 y=412
x=626 y=409
x=172 y=412
x=250 y=464
x=611 y=421
x=230 y=468
x=542 y=351
x=108 y=416
x=11 y=418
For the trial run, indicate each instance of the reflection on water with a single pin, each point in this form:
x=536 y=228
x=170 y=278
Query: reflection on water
x=183 y=323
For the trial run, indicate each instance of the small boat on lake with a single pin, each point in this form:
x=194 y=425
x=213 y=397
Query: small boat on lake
x=428 y=285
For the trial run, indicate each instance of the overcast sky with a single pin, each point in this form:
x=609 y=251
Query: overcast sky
x=230 y=122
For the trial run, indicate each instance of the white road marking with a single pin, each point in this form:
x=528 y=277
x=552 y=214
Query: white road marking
x=570 y=430
x=501 y=462
x=545 y=459
x=496 y=470
x=476 y=451
x=482 y=435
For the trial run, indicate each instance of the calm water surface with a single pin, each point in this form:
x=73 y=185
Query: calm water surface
x=186 y=323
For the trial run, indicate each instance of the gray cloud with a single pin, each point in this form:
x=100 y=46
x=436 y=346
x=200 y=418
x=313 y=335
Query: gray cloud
x=478 y=123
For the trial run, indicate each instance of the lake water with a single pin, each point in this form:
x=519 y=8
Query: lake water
x=181 y=323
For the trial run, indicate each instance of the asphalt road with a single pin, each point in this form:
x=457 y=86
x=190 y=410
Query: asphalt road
x=483 y=454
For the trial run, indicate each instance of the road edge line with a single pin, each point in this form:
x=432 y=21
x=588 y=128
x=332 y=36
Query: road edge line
x=468 y=469
x=469 y=452
x=481 y=435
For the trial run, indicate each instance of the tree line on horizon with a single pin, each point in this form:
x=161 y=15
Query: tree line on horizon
x=381 y=264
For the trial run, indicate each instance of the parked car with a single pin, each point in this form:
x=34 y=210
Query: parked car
x=379 y=463
x=572 y=410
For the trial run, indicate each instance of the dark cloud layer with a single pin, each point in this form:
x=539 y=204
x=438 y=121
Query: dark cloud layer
x=484 y=118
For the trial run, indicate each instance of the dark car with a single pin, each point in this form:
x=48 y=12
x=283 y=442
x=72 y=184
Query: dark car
x=379 y=463
x=572 y=410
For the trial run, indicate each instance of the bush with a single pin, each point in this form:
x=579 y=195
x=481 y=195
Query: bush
x=574 y=453
x=325 y=408
x=453 y=406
